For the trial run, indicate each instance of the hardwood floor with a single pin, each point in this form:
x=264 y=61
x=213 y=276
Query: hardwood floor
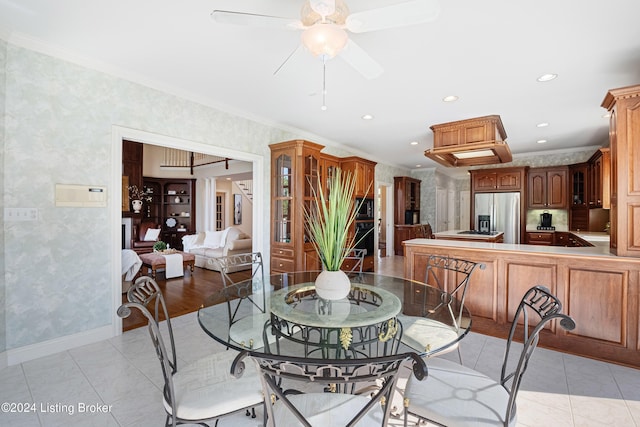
x=185 y=294
x=182 y=294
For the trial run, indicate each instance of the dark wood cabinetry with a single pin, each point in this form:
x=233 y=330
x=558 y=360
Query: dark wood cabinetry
x=364 y=171
x=556 y=238
x=407 y=201
x=547 y=188
x=170 y=202
x=624 y=140
x=406 y=215
x=589 y=188
x=131 y=171
x=496 y=180
x=540 y=238
x=296 y=167
x=578 y=194
x=600 y=179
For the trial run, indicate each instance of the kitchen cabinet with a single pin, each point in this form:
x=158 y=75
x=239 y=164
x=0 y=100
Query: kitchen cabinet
x=364 y=171
x=579 y=187
x=624 y=140
x=599 y=293
x=495 y=180
x=406 y=215
x=539 y=238
x=600 y=179
x=402 y=233
x=547 y=188
x=296 y=168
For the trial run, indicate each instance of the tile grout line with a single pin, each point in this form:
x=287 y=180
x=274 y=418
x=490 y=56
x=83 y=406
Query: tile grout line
x=26 y=381
x=93 y=387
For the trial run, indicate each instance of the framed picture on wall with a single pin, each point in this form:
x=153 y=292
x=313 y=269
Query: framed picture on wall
x=237 y=209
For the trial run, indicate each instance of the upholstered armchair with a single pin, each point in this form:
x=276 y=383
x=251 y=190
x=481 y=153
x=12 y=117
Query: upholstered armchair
x=144 y=236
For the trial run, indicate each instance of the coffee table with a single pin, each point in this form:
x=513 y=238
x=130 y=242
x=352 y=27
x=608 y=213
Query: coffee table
x=155 y=260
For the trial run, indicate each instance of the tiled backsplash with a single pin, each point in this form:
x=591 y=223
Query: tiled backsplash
x=560 y=218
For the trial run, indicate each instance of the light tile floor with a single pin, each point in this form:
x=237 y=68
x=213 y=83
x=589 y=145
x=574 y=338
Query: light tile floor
x=122 y=377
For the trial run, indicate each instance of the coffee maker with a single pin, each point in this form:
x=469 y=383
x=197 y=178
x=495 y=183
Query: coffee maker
x=545 y=221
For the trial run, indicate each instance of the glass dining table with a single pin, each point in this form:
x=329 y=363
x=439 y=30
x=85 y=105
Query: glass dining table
x=281 y=313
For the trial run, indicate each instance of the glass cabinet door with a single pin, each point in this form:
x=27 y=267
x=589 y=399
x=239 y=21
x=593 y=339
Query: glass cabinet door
x=578 y=189
x=283 y=216
x=311 y=173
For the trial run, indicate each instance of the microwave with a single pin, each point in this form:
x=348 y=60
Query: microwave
x=364 y=208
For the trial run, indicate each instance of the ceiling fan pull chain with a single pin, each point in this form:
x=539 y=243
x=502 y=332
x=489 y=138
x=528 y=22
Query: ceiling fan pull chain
x=324 y=83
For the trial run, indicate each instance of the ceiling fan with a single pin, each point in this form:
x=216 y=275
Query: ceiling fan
x=323 y=24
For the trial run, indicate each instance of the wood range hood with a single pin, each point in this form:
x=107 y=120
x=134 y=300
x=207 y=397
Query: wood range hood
x=471 y=142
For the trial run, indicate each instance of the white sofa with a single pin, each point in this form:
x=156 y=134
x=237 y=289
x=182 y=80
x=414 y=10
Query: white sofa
x=213 y=244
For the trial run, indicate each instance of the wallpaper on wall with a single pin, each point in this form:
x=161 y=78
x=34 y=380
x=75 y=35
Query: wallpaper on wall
x=59 y=121
x=3 y=62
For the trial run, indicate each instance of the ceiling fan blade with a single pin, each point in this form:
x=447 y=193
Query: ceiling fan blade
x=255 y=20
x=355 y=56
x=397 y=15
x=286 y=60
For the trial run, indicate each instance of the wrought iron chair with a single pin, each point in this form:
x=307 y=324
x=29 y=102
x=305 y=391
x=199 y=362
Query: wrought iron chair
x=244 y=299
x=422 y=330
x=324 y=392
x=192 y=394
x=424 y=231
x=355 y=263
x=456 y=395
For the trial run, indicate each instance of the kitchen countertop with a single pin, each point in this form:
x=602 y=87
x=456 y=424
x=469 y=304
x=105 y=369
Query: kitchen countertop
x=455 y=234
x=600 y=249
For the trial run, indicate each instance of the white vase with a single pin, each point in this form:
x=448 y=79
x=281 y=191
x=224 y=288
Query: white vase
x=333 y=285
x=137 y=205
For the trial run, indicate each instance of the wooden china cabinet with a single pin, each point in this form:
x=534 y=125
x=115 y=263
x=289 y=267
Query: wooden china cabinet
x=295 y=168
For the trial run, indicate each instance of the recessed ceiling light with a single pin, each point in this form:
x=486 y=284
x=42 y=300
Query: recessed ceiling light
x=541 y=141
x=542 y=125
x=450 y=98
x=414 y=142
x=418 y=166
x=367 y=117
x=547 y=77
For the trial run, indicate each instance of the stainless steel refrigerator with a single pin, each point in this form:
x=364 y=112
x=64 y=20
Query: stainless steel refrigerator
x=503 y=210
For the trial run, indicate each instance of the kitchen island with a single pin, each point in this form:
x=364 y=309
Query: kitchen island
x=599 y=290
x=471 y=236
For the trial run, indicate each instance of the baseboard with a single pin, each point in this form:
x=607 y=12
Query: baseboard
x=34 y=351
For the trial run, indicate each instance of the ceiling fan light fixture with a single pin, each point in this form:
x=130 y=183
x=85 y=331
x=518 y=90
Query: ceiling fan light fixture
x=324 y=39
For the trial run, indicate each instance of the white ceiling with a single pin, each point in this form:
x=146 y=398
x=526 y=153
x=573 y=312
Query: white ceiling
x=488 y=53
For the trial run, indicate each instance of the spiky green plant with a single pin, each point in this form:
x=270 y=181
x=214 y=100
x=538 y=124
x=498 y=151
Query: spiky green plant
x=329 y=218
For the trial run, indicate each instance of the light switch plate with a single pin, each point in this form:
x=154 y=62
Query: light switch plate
x=20 y=214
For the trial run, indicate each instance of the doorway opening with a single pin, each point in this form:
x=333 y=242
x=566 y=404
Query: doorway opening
x=384 y=218
x=119 y=134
